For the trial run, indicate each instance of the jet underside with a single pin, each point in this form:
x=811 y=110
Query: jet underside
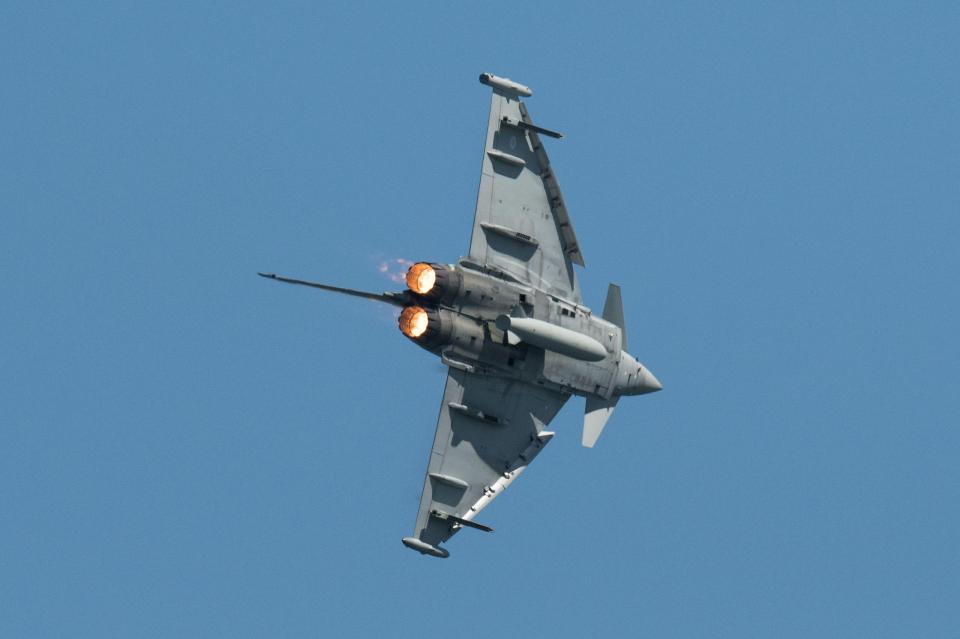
x=509 y=322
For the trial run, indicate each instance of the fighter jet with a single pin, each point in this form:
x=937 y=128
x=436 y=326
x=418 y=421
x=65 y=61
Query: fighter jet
x=509 y=323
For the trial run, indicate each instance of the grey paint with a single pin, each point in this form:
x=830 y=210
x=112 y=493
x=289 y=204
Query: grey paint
x=613 y=312
x=513 y=194
x=509 y=323
x=551 y=337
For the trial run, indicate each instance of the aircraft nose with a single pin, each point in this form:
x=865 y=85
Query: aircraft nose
x=647 y=382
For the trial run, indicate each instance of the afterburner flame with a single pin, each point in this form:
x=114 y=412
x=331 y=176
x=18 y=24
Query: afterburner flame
x=413 y=321
x=421 y=277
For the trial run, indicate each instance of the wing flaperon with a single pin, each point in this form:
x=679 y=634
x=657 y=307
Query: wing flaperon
x=521 y=224
x=488 y=431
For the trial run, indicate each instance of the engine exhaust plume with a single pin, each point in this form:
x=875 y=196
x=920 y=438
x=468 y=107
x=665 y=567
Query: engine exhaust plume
x=421 y=277
x=395 y=269
x=413 y=321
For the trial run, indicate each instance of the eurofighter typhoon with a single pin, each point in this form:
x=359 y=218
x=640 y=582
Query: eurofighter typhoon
x=509 y=323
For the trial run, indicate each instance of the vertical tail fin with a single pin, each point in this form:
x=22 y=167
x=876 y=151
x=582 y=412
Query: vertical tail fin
x=613 y=311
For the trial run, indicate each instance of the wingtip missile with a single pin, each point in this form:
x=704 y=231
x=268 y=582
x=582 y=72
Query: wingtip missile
x=505 y=84
x=422 y=547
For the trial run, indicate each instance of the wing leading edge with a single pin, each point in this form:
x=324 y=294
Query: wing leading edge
x=521 y=225
x=488 y=430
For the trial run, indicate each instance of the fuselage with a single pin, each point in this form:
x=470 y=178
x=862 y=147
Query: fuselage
x=558 y=344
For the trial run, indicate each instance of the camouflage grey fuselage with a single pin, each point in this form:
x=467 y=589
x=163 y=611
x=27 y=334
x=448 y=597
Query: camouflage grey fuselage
x=463 y=309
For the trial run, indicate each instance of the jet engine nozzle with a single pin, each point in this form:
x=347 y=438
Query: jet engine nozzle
x=434 y=282
x=425 y=325
x=414 y=321
x=433 y=328
x=421 y=278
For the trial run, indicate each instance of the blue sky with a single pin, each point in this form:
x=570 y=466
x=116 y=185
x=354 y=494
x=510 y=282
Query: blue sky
x=189 y=450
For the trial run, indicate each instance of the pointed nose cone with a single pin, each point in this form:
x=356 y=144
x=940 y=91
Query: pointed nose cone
x=647 y=382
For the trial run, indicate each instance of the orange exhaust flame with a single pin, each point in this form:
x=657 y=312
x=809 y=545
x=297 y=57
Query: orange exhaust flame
x=421 y=277
x=413 y=321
